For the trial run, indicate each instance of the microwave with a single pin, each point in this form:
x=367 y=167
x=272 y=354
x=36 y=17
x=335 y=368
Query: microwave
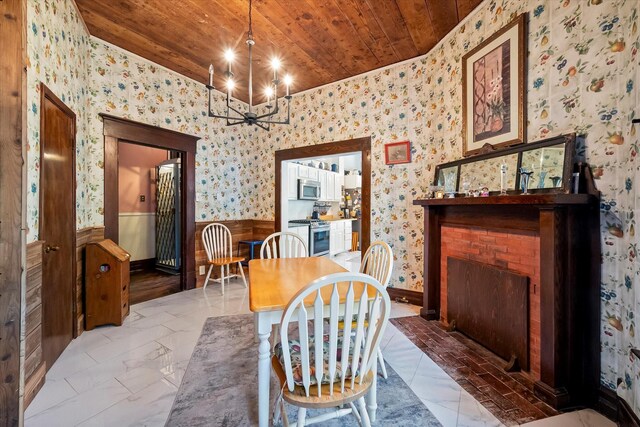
x=308 y=189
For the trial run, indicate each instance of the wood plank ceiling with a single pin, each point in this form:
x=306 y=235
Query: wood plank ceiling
x=318 y=41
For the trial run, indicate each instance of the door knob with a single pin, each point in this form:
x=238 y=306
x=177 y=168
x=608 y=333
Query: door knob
x=50 y=248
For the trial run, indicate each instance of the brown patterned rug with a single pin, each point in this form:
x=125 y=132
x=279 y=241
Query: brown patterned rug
x=508 y=396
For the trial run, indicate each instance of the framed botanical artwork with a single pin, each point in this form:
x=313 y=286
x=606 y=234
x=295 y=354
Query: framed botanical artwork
x=397 y=152
x=493 y=79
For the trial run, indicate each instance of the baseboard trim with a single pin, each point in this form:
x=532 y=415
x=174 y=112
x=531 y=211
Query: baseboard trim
x=414 y=297
x=142 y=264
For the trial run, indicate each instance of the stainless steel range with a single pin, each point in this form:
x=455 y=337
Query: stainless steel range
x=318 y=235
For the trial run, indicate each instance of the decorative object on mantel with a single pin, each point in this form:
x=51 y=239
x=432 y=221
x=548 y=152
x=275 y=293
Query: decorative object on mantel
x=397 y=152
x=553 y=156
x=493 y=78
x=525 y=176
x=503 y=178
x=234 y=116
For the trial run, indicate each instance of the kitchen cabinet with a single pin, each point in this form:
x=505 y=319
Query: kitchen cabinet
x=339 y=181
x=340 y=236
x=303 y=171
x=352 y=181
x=303 y=232
x=331 y=186
x=292 y=181
x=322 y=177
x=313 y=173
x=347 y=235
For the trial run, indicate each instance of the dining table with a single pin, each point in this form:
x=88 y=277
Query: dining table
x=272 y=284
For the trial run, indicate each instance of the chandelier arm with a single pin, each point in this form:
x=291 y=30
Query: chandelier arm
x=282 y=122
x=269 y=114
x=238 y=122
x=229 y=107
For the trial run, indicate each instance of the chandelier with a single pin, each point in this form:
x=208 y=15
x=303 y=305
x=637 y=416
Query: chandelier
x=268 y=117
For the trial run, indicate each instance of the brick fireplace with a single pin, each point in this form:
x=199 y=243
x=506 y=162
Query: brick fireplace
x=517 y=252
x=543 y=249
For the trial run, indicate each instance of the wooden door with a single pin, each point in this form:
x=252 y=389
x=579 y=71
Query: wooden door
x=57 y=224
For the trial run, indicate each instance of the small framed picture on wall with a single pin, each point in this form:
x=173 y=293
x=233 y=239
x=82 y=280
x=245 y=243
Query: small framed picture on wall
x=493 y=94
x=397 y=152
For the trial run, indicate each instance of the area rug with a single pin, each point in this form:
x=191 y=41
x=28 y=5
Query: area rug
x=220 y=385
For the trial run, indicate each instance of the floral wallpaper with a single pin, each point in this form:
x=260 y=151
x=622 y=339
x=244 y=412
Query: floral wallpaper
x=582 y=77
x=93 y=77
x=126 y=85
x=57 y=55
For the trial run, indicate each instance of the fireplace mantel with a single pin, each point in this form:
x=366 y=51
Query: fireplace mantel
x=569 y=273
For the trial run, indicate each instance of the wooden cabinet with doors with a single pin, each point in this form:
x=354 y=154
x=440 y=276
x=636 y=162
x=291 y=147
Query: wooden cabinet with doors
x=107 y=273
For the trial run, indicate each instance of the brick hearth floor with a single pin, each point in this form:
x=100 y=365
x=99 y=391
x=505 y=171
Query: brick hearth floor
x=508 y=396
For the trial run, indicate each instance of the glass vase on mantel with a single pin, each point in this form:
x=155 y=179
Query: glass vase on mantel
x=525 y=176
x=503 y=179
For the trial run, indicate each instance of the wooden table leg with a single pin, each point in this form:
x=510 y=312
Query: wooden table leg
x=264 y=368
x=372 y=396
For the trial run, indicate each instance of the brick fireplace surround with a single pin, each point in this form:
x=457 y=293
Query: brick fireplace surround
x=517 y=252
x=549 y=240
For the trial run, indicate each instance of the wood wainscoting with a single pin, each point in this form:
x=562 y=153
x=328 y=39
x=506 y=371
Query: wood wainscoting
x=244 y=229
x=35 y=368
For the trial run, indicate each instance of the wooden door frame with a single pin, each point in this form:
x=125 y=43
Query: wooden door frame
x=47 y=94
x=361 y=145
x=117 y=129
x=13 y=144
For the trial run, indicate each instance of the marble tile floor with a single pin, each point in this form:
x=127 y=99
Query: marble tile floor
x=129 y=375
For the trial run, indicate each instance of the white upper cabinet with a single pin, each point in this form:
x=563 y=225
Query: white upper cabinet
x=292 y=181
x=313 y=173
x=352 y=181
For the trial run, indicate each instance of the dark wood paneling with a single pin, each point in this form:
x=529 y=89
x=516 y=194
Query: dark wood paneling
x=246 y=229
x=362 y=145
x=490 y=305
x=33 y=322
x=117 y=129
x=12 y=146
x=412 y=297
x=431 y=269
x=319 y=41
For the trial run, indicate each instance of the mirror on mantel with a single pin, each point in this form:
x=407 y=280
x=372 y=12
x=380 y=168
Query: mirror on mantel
x=549 y=163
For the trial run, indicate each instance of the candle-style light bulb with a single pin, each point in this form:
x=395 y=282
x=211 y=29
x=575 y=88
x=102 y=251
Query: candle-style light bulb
x=275 y=63
x=269 y=93
x=211 y=75
x=287 y=81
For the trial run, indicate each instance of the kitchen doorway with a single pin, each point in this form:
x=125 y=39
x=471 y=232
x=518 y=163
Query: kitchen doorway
x=286 y=158
x=178 y=233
